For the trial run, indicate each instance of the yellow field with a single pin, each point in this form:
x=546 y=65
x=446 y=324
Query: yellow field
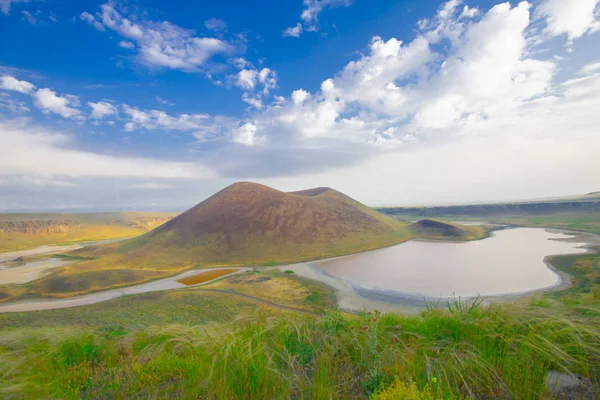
x=23 y=231
x=206 y=276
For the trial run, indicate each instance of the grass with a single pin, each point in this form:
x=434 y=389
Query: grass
x=206 y=276
x=189 y=307
x=279 y=288
x=482 y=352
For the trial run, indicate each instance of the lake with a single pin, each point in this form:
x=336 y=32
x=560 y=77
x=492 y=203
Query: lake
x=509 y=262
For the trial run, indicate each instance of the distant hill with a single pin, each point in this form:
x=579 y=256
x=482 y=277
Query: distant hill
x=248 y=223
x=589 y=203
x=428 y=227
x=26 y=230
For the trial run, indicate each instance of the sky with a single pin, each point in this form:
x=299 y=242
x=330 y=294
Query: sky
x=153 y=105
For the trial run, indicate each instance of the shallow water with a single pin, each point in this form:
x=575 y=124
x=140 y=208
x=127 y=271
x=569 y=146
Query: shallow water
x=29 y=271
x=22 y=272
x=509 y=262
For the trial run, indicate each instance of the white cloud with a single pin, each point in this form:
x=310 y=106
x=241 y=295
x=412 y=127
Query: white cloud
x=159 y=44
x=152 y=186
x=164 y=102
x=573 y=17
x=310 y=16
x=126 y=45
x=27 y=16
x=268 y=78
x=8 y=82
x=15 y=106
x=254 y=100
x=466 y=103
x=51 y=155
x=260 y=83
x=156 y=119
x=49 y=101
x=590 y=68
x=247 y=79
x=215 y=24
x=245 y=134
x=469 y=12
x=293 y=31
x=399 y=92
x=300 y=96
x=102 y=109
x=90 y=19
x=6 y=4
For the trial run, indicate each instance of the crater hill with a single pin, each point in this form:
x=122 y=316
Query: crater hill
x=248 y=223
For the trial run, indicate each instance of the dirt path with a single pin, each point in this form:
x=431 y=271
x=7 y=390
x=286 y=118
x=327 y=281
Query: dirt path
x=260 y=301
x=98 y=297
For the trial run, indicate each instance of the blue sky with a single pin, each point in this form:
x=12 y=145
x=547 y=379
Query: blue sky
x=154 y=105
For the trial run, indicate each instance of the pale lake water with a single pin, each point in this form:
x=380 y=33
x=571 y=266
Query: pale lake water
x=509 y=262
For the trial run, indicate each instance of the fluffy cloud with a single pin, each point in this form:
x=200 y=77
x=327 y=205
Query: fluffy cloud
x=152 y=185
x=159 y=44
x=11 y=83
x=299 y=96
x=590 y=68
x=156 y=119
x=310 y=15
x=258 y=83
x=247 y=79
x=215 y=24
x=126 y=45
x=254 y=100
x=575 y=17
x=398 y=92
x=5 y=5
x=101 y=109
x=312 y=9
x=245 y=134
x=49 y=102
x=164 y=102
x=90 y=19
x=477 y=104
x=50 y=154
x=293 y=31
x=15 y=106
x=27 y=16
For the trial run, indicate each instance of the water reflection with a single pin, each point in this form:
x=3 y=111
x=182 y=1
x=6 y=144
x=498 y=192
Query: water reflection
x=509 y=262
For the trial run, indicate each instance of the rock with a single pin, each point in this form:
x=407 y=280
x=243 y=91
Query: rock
x=570 y=386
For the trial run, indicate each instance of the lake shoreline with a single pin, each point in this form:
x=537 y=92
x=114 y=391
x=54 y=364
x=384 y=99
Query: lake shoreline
x=350 y=297
x=409 y=303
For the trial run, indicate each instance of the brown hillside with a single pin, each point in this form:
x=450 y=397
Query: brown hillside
x=252 y=223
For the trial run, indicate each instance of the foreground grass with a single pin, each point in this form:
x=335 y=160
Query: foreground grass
x=194 y=344
x=463 y=352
